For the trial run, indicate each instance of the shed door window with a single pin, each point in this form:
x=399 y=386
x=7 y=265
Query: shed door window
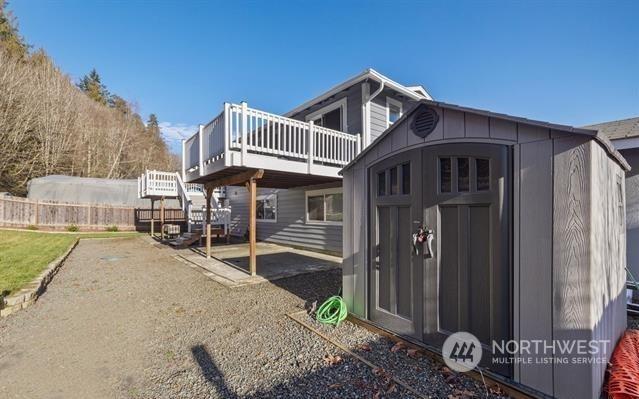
x=398 y=178
x=463 y=174
x=324 y=206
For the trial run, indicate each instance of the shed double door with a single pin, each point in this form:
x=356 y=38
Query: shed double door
x=460 y=192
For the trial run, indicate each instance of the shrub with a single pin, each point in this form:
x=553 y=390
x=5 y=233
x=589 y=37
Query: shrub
x=72 y=227
x=113 y=228
x=32 y=227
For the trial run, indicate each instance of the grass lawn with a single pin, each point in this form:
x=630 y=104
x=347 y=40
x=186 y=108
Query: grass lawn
x=25 y=254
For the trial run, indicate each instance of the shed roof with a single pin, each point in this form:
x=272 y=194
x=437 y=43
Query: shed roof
x=620 y=129
x=602 y=139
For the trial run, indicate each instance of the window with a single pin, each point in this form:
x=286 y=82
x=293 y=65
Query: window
x=463 y=174
x=324 y=206
x=482 y=166
x=445 y=179
x=266 y=208
x=398 y=178
x=393 y=110
x=332 y=116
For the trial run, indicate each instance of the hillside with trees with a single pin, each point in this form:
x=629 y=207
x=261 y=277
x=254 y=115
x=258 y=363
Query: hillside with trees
x=51 y=125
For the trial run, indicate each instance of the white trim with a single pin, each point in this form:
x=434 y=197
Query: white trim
x=366 y=122
x=341 y=103
x=369 y=73
x=398 y=104
x=315 y=193
x=267 y=197
x=624 y=144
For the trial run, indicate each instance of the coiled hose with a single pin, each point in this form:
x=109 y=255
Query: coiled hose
x=333 y=311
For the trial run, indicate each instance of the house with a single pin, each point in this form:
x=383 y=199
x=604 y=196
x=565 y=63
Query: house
x=310 y=215
x=624 y=135
x=295 y=158
x=524 y=240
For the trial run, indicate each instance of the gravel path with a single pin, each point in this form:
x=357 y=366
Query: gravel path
x=124 y=319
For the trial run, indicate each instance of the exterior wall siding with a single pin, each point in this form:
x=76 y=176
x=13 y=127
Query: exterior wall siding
x=378 y=109
x=632 y=211
x=291 y=227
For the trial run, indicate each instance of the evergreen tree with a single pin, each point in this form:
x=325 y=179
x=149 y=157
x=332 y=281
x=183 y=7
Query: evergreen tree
x=119 y=104
x=92 y=85
x=10 y=39
x=152 y=126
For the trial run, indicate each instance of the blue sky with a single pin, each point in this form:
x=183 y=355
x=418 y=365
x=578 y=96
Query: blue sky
x=566 y=62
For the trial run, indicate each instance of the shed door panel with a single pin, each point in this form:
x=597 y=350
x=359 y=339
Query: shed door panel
x=395 y=299
x=467 y=283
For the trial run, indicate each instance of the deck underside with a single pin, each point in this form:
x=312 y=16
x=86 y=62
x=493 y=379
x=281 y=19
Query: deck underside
x=271 y=178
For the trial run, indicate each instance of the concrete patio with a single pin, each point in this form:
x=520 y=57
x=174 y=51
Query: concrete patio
x=229 y=263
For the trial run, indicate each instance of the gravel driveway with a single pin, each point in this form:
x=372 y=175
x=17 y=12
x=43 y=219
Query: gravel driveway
x=124 y=319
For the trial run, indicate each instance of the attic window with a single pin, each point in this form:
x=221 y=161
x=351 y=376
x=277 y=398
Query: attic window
x=393 y=110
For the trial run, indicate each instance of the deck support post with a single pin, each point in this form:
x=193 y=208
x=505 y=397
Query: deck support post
x=252 y=226
x=208 y=193
x=162 y=218
x=152 y=213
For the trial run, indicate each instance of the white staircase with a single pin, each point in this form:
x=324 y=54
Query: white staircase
x=194 y=205
x=156 y=184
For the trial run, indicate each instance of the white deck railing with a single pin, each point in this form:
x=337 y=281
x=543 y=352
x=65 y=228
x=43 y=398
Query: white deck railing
x=153 y=183
x=251 y=131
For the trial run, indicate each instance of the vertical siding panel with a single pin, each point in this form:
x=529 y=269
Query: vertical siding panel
x=360 y=242
x=453 y=124
x=571 y=260
x=503 y=130
x=348 y=277
x=476 y=126
x=535 y=255
x=528 y=133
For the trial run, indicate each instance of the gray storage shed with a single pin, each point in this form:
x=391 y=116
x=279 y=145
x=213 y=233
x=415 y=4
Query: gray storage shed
x=529 y=238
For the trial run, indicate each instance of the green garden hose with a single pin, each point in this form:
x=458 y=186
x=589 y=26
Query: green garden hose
x=333 y=311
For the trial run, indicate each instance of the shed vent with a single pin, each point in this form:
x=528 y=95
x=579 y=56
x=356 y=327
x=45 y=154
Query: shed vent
x=424 y=122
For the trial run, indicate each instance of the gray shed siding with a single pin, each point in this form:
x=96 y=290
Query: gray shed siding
x=291 y=227
x=353 y=108
x=562 y=286
x=632 y=209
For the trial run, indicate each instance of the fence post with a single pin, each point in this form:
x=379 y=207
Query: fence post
x=88 y=215
x=359 y=145
x=311 y=145
x=244 y=130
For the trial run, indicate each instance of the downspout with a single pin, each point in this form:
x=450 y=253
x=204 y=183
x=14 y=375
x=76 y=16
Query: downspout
x=367 y=114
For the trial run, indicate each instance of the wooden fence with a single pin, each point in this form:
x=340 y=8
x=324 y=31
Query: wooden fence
x=22 y=212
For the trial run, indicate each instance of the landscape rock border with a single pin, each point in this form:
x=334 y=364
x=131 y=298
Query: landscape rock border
x=30 y=293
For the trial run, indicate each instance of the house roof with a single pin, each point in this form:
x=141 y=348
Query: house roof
x=603 y=140
x=620 y=129
x=414 y=92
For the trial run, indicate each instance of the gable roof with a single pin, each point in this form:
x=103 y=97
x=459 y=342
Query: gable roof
x=620 y=129
x=603 y=140
x=414 y=92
